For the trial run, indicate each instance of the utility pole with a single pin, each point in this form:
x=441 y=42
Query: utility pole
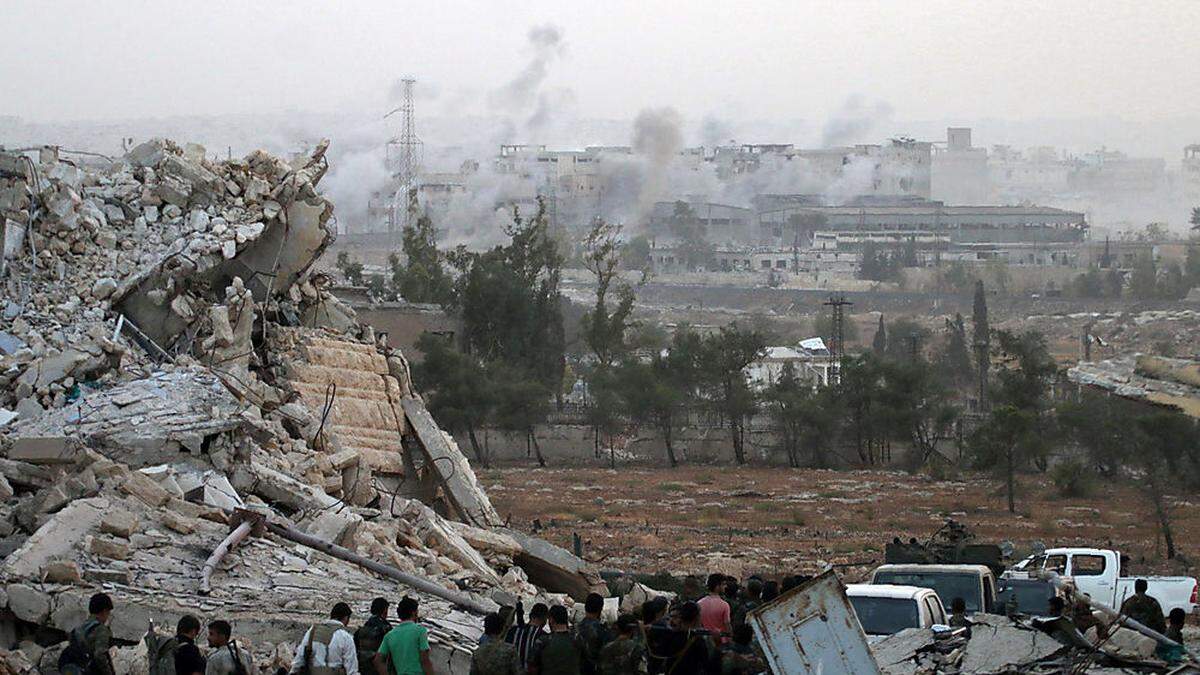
x=404 y=155
x=837 y=348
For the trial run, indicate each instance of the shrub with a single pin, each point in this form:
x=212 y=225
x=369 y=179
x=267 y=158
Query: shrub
x=1072 y=478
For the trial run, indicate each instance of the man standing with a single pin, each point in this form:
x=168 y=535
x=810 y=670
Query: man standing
x=328 y=648
x=753 y=601
x=87 y=650
x=592 y=633
x=714 y=611
x=226 y=657
x=556 y=653
x=1143 y=608
x=740 y=658
x=495 y=656
x=690 y=649
x=370 y=635
x=407 y=644
x=625 y=655
x=188 y=659
x=524 y=637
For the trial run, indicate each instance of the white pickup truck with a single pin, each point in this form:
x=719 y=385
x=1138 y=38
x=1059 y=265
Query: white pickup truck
x=1097 y=572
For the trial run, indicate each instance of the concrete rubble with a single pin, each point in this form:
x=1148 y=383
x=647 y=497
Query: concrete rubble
x=171 y=363
x=1168 y=382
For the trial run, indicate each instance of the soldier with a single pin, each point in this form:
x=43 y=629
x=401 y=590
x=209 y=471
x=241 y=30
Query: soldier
x=557 y=653
x=625 y=655
x=592 y=633
x=327 y=648
x=495 y=656
x=1143 y=608
x=740 y=658
x=87 y=651
x=958 y=615
x=369 y=636
x=752 y=601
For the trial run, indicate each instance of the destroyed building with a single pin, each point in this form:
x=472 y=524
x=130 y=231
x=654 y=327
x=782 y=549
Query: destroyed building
x=191 y=422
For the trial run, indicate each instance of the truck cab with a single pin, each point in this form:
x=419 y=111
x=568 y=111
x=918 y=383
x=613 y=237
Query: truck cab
x=975 y=584
x=884 y=609
x=1098 y=572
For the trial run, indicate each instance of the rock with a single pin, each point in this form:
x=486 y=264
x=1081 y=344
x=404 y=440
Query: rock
x=44 y=449
x=229 y=249
x=28 y=603
x=147 y=154
x=62 y=572
x=120 y=523
x=104 y=287
x=144 y=488
x=109 y=548
x=177 y=522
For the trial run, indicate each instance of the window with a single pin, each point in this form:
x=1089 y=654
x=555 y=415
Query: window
x=781 y=264
x=1088 y=565
x=766 y=264
x=935 y=612
x=1056 y=563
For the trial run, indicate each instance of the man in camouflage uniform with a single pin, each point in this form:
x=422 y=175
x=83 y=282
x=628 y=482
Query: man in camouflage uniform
x=625 y=655
x=495 y=656
x=592 y=634
x=369 y=636
x=740 y=657
x=87 y=652
x=1144 y=608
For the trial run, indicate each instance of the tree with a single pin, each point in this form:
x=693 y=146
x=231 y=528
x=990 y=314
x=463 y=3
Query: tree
x=635 y=254
x=1018 y=427
x=955 y=357
x=981 y=337
x=915 y=406
x=805 y=417
x=423 y=276
x=1143 y=282
x=352 y=270
x=906 y=338
x=879 y=344
x=457 y=389
x=1195 y=219
x=511 y=309
x=726 y=355
x=659 y=393
x=604 y=329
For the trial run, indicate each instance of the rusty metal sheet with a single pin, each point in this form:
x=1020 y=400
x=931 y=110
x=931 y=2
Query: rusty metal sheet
x=813 y=629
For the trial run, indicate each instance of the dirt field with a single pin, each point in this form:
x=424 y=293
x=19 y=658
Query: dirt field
x=698 y=519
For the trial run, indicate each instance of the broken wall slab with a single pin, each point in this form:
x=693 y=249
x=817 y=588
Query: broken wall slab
x=57 y=538
x=457 y=476
x=555 y=568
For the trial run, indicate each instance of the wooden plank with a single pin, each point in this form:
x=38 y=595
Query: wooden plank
x=451 y=466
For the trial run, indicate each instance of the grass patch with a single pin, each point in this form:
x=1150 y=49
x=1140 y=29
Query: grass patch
x=672 y=487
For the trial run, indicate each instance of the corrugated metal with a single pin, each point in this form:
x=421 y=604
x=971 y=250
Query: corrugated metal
x=813 y=629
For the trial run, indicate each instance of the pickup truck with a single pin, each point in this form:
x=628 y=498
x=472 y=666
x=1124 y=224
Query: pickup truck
x=1097 y=572
x=884 y=609
x=975 y=584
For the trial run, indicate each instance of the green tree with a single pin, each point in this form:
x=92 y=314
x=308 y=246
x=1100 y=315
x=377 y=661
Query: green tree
x=915 y=406
x=1195 y=219
x=806 y=418
x=955 y=356
x=457 y=389
x=879 y=343
x=1143 y=282
x=725 y=357
x=604 y=328
x=423 y=276
x=1018 y=429
x=659 y=392
x=635 y=254
x=352 y=270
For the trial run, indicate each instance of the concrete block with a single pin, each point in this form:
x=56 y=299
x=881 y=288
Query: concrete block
x=28 y=603
x=109 y=548
x=120 y=523
x=44 y=450
x=343 y=459
x=61 y=572
x=144 y=488
x=57 y=538
x=108 y=575
x=177 y=522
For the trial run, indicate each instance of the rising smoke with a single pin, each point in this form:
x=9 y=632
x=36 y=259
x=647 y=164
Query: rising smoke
x=854 y=121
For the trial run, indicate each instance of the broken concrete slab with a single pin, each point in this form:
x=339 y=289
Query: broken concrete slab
x=28 y=603
x=112 y=549
x=457 y=477
x=44 y=449
x=120 y=523
x=57 y=538
x=554 y=568
x=998 y=643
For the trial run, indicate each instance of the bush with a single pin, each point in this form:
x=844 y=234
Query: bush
x=1072 y=478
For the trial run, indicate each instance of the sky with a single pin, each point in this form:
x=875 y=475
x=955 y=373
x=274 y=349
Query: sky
x=1015 y=60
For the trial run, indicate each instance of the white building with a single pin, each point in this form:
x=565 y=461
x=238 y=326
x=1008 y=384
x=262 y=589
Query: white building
x=810 y=361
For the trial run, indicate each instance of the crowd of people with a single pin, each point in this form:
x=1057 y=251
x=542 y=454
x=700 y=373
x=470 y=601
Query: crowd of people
x=703 y=631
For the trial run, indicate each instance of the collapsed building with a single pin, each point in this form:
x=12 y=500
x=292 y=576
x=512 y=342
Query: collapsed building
x=191 y=422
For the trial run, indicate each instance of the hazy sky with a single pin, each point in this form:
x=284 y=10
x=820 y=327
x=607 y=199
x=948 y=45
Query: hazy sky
x=765 y=60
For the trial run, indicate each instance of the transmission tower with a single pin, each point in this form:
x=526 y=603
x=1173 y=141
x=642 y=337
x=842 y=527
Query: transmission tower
x=404 y=156
x=837 y=348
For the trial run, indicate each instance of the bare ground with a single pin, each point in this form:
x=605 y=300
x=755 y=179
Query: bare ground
x=778 y=521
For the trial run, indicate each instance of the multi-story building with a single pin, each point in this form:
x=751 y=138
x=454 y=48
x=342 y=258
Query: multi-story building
x=959 y=174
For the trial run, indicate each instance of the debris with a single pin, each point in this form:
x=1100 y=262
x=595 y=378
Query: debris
x=456 y=475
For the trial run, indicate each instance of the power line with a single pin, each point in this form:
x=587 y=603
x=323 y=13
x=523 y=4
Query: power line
x=404 y=156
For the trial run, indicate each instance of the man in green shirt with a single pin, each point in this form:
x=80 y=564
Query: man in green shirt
x=407 y=644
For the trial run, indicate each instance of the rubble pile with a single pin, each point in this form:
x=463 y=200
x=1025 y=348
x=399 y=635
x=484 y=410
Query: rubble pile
x=172 y=370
